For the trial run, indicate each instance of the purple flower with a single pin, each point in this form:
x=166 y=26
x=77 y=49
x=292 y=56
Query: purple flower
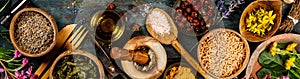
x=17 y=54
x=20 y=75
x=24 y=62
x=220 y=5
x=28 y=72
x=1 y=70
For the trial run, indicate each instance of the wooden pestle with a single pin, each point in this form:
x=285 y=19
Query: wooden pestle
x=129 y=55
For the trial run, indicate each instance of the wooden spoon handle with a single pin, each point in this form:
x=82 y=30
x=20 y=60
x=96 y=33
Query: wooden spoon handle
x=189 y=58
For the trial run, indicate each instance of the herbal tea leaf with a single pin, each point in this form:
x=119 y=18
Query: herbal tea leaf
x=269 y=61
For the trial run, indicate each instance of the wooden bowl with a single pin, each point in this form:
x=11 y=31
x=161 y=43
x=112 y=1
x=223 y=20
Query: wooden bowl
x=13 y=26
x=254 y=66
x=78 y=52
x=159 y=52
x=275 y=5
x=177 y=64
x=246 y=49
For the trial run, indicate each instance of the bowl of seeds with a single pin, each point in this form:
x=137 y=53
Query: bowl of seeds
x=260 y=20
x=223 y=53
x=33 y=32
x=76 y=64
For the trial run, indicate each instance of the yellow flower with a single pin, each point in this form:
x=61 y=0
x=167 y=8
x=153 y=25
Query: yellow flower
x=289 y=63
x=290 y=47
x=271 y=17
x=273 y=48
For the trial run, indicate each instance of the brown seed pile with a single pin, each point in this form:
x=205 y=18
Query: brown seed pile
x=222 y=53
x=33 y=32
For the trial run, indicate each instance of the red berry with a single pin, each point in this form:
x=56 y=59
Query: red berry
x=196 y=22
x=194 y=14
x=195 y=8
x=180 y=24
x=179 y=10
x=189 y=18
x=188 y=10
x=112 y=6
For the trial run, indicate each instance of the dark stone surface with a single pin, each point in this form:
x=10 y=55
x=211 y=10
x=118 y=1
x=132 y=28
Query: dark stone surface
x=81 y=11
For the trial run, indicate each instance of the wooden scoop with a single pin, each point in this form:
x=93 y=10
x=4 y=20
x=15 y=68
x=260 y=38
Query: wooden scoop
x=129 y=55
x=171 y=38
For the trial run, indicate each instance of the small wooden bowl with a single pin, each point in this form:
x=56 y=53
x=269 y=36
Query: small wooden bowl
x=275 y=5
x=177 y=64
x=254 y=66
x=246 y=49
x=12 y=31
x=78 y=52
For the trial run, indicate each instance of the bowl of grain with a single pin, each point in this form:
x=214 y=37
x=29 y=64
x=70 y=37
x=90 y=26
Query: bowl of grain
x=260 y=20
x=33 y=32
x=223 y=53
x=76 y=64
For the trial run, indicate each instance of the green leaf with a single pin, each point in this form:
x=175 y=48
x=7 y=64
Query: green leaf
x=297 y=62
x=294 y=74
x=264 y=72
x=281 y=45
x=271 y=62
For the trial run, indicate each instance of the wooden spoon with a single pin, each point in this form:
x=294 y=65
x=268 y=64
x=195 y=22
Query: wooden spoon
x=171 y=38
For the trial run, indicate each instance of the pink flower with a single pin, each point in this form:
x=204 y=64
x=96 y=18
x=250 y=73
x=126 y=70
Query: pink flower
x=1 y=70
x=285 y=77
x=17 y=54
x=24 y=62
x=28 y=72
x=20 y=75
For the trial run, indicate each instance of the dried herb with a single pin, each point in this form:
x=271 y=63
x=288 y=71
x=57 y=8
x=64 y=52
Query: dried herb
x=293 y=18
x=33 y=32
x=75 y=67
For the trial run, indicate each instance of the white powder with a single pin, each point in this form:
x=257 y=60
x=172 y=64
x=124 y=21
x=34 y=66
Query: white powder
x=159 y=23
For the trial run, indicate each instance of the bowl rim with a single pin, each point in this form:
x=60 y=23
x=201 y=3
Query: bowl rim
x=277 y=21
x=46 y=15
x=177 y=64
x=261 y=47
x=78 y=52
x=245 y=62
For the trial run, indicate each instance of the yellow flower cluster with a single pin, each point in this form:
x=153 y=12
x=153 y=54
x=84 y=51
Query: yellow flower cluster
x=260 y=21
x=289 y=63
x=291 y=47
x=273 y=48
